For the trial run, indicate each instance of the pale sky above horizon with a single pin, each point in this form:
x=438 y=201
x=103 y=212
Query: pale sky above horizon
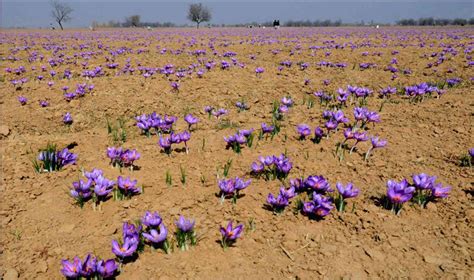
x=36 y=13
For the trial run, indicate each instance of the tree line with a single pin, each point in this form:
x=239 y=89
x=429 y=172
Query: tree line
x=429 y=21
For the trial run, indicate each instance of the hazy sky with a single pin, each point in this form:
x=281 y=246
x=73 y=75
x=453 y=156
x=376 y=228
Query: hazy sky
x=36 y=13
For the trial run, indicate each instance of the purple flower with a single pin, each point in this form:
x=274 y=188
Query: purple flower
x=257 y=167
x=156 y=236
x=72 y=269
x=377 y=143
x=107 y=269
x=127 y=186
x=89 y=266
x=438 y=191
x=423 y=182
x=320 y=206
x=259 y=70
x=94 y=174
x=65 y=157
x=287 y=101
x=103 y=187
x=128 y=248
x=360 y=113
x=230 y=234
x=185 y=225
x=331 y=125
x=471 y=152
x=190 y=119
x=151 y=219
x=267 y=128
x=372 y=117
x=23 y=100
x=44 y=103
x=347 y=191
x=317 y=183
x=399 y=193
x=304 y=130
x=67 y=118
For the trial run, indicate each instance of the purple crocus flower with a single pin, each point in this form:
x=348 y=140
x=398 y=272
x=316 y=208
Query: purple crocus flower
x=127 y=249
x=423 y=181
x=438 y=191
x=184 y=225
x=267 y=128
x=303 y=130
x=347 y=191
x=44 y=103
x=287 y=101
x=320 y=206
x=67 y=118
x=156 y=236
x=318 y=184
x=23 y=100
x=151 y=219
x=190 y=119
x=65 y=157
x=372 y=117
x=399 y=193
x=103 y=187
x=378 y=143
x=128 y=186
x=259 y=70
x=81 y=189
x=257 y=168
x=72 y=269
x=360 y=113
x=94 y=174
x=106 y=268
x=230 y=233
x=89 y=266
x=331 y=125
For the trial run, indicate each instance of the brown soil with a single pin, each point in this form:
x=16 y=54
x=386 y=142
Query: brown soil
x=41 y=225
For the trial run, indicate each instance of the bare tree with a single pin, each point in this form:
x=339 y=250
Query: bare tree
x=132 y=21
x=60 y=12
x=199 y=13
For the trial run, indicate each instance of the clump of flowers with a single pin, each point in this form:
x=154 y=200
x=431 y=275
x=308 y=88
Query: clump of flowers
x=232 y=187
x=122 y=158
x=272 y=167
x=190 y=120
x=398 y=194
x=345 y=192
x=156 y=232
x=282 y=200
x=90 y=268
x=243 y=136
x=418 y=92
x=185 y=234
x=49 y=159
x=318 y=207
x=130 y=242
x=154 y=122
x=242 y=106
x=364 y=116
x=230 y=234
x=271 y=130
x=174 y=138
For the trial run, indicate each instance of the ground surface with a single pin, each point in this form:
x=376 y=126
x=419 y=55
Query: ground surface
x=41 y=225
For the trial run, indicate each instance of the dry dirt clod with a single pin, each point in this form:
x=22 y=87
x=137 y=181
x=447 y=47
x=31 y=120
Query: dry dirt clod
x=10 y=274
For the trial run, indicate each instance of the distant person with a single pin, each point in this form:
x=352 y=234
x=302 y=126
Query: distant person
x=276 y=24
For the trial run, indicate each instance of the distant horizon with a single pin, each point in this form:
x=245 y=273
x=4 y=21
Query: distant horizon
x=36 y=13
